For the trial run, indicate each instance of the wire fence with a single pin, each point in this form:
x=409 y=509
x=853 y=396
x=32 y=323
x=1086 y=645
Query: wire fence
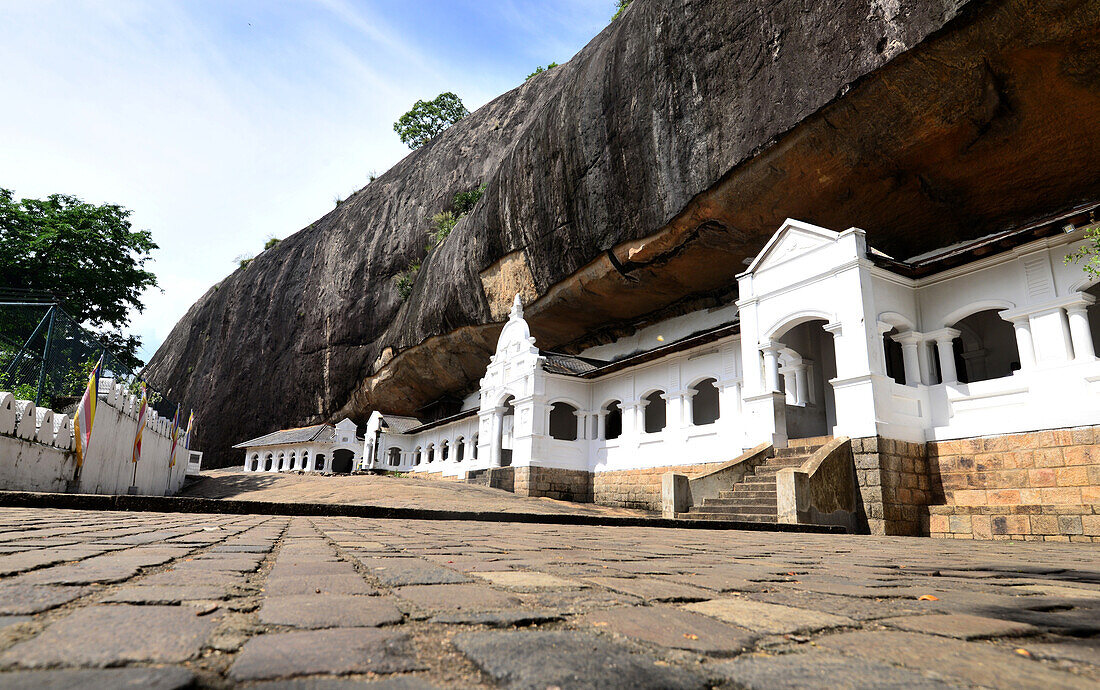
x=46 y=357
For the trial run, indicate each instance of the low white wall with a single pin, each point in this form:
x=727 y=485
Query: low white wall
x=37 y=449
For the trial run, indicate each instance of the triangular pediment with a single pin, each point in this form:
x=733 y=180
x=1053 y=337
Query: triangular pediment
x=793 y=239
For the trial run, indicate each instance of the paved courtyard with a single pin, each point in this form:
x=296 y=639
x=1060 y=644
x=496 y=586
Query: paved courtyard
x=383 y=491
x=98 y=599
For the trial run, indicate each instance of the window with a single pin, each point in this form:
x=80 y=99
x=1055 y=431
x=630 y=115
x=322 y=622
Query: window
x=444 y=451
x=655 y=412
x=704 y=404
x=895 y=360
x=613 y=421
x=460 y=449
x=475 y=447
x=563 y=422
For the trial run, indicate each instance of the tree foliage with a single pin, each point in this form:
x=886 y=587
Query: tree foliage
x=540 y=70
x=429 y=118
x=621 y=6
x=88 y=257
x=1089 y=253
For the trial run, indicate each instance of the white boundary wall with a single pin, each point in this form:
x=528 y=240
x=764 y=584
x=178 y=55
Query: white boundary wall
x=37 y=449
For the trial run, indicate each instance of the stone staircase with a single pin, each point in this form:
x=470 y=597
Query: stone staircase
x=753 y=498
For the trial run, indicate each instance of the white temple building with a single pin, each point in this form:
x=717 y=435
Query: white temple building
x=828 y=339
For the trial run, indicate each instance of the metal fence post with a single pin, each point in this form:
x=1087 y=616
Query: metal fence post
x=45 y=359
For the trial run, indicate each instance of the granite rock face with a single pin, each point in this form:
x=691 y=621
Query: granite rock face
x=631 y=182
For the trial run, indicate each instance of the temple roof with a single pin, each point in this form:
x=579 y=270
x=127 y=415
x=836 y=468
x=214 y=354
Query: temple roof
x=399 y=425
x=304 y=434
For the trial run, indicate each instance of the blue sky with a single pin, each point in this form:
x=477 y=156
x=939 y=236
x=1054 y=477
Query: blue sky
x=223 y=122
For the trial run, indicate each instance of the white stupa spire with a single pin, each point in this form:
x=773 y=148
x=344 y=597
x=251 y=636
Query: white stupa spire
x=517 y=308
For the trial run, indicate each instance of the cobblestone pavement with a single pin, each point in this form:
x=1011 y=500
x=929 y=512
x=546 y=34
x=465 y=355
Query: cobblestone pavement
x=383 y=491
x=100 y=599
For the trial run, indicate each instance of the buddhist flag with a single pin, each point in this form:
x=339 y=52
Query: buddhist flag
x=143 y=410
x=85 y=414
x=190 y=428
x=174 y=434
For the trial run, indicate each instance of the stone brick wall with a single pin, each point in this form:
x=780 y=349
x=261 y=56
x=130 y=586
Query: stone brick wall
x=894 y=485
x=1039 y=486
x=640 y=489
x=551 y=482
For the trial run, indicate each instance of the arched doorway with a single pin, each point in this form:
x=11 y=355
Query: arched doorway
x=613 y=421
x=319 y=462
x=343 y=461
x=507 y=432
x=811 y=407
x=704 y=404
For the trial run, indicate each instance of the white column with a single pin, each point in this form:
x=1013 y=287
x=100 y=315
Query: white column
x=770 y=350
x=924 y=360
x=945 y=340
x=601 y=433
x=801 y=385
x=1024 y=342
x=580 y=425
x=1083 y=347
x=910 y=357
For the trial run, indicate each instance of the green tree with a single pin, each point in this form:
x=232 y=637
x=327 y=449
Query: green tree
x=621 y=6
x=1089 y=253
x=87 y=256
x=429 y=118
x=540 y=70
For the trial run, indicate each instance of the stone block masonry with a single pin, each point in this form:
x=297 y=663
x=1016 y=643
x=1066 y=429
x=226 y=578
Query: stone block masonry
x=551 y=482
x=1036 y=486
x=1042 y=486
x=640 y=489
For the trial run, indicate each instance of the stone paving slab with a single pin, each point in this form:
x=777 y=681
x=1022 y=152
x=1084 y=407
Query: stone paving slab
x=304 y=602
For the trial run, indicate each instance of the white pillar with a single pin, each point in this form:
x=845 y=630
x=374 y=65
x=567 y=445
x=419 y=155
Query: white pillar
x=1083 y=347
x=580 y=425
x=910 y=341
x=945 y=340
x=801 y=385
x=770 y=350
x=1024 y=343
x=601 y=433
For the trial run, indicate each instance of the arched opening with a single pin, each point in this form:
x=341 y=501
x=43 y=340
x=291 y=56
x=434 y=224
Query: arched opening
x=319 y=463
x=704 y=404
x=282 y=462
x=460 y=449
x=563 y=421
x=292 y=464
x=811 y=408
x=306 y=466
x=507 y=432
x=612 y=421
x=895 y=359
x=417 y=456
x=431 y=453
x=986 y=347
x=343 y=461
x=254 y=462
x=444 y=451
x=269 y=461
x=473 y=451
x=394 y=455
x=655 y=413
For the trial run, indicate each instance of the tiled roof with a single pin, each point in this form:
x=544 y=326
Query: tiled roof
x=305 y=434
x=399 y=425
x=569 y=365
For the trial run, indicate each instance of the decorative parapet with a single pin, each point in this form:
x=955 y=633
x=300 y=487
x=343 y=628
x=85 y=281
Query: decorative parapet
x=822 y=491
x=21 y=419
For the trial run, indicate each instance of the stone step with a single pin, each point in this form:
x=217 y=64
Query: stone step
x=786 y=462
x=741 y=503
x=800 y=451
x=731 y=517
x=747 y=509
x=758 y=479
x=817 y=441
x=740 y=491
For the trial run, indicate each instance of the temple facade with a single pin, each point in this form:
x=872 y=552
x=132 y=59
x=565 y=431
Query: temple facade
x=913 y=362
